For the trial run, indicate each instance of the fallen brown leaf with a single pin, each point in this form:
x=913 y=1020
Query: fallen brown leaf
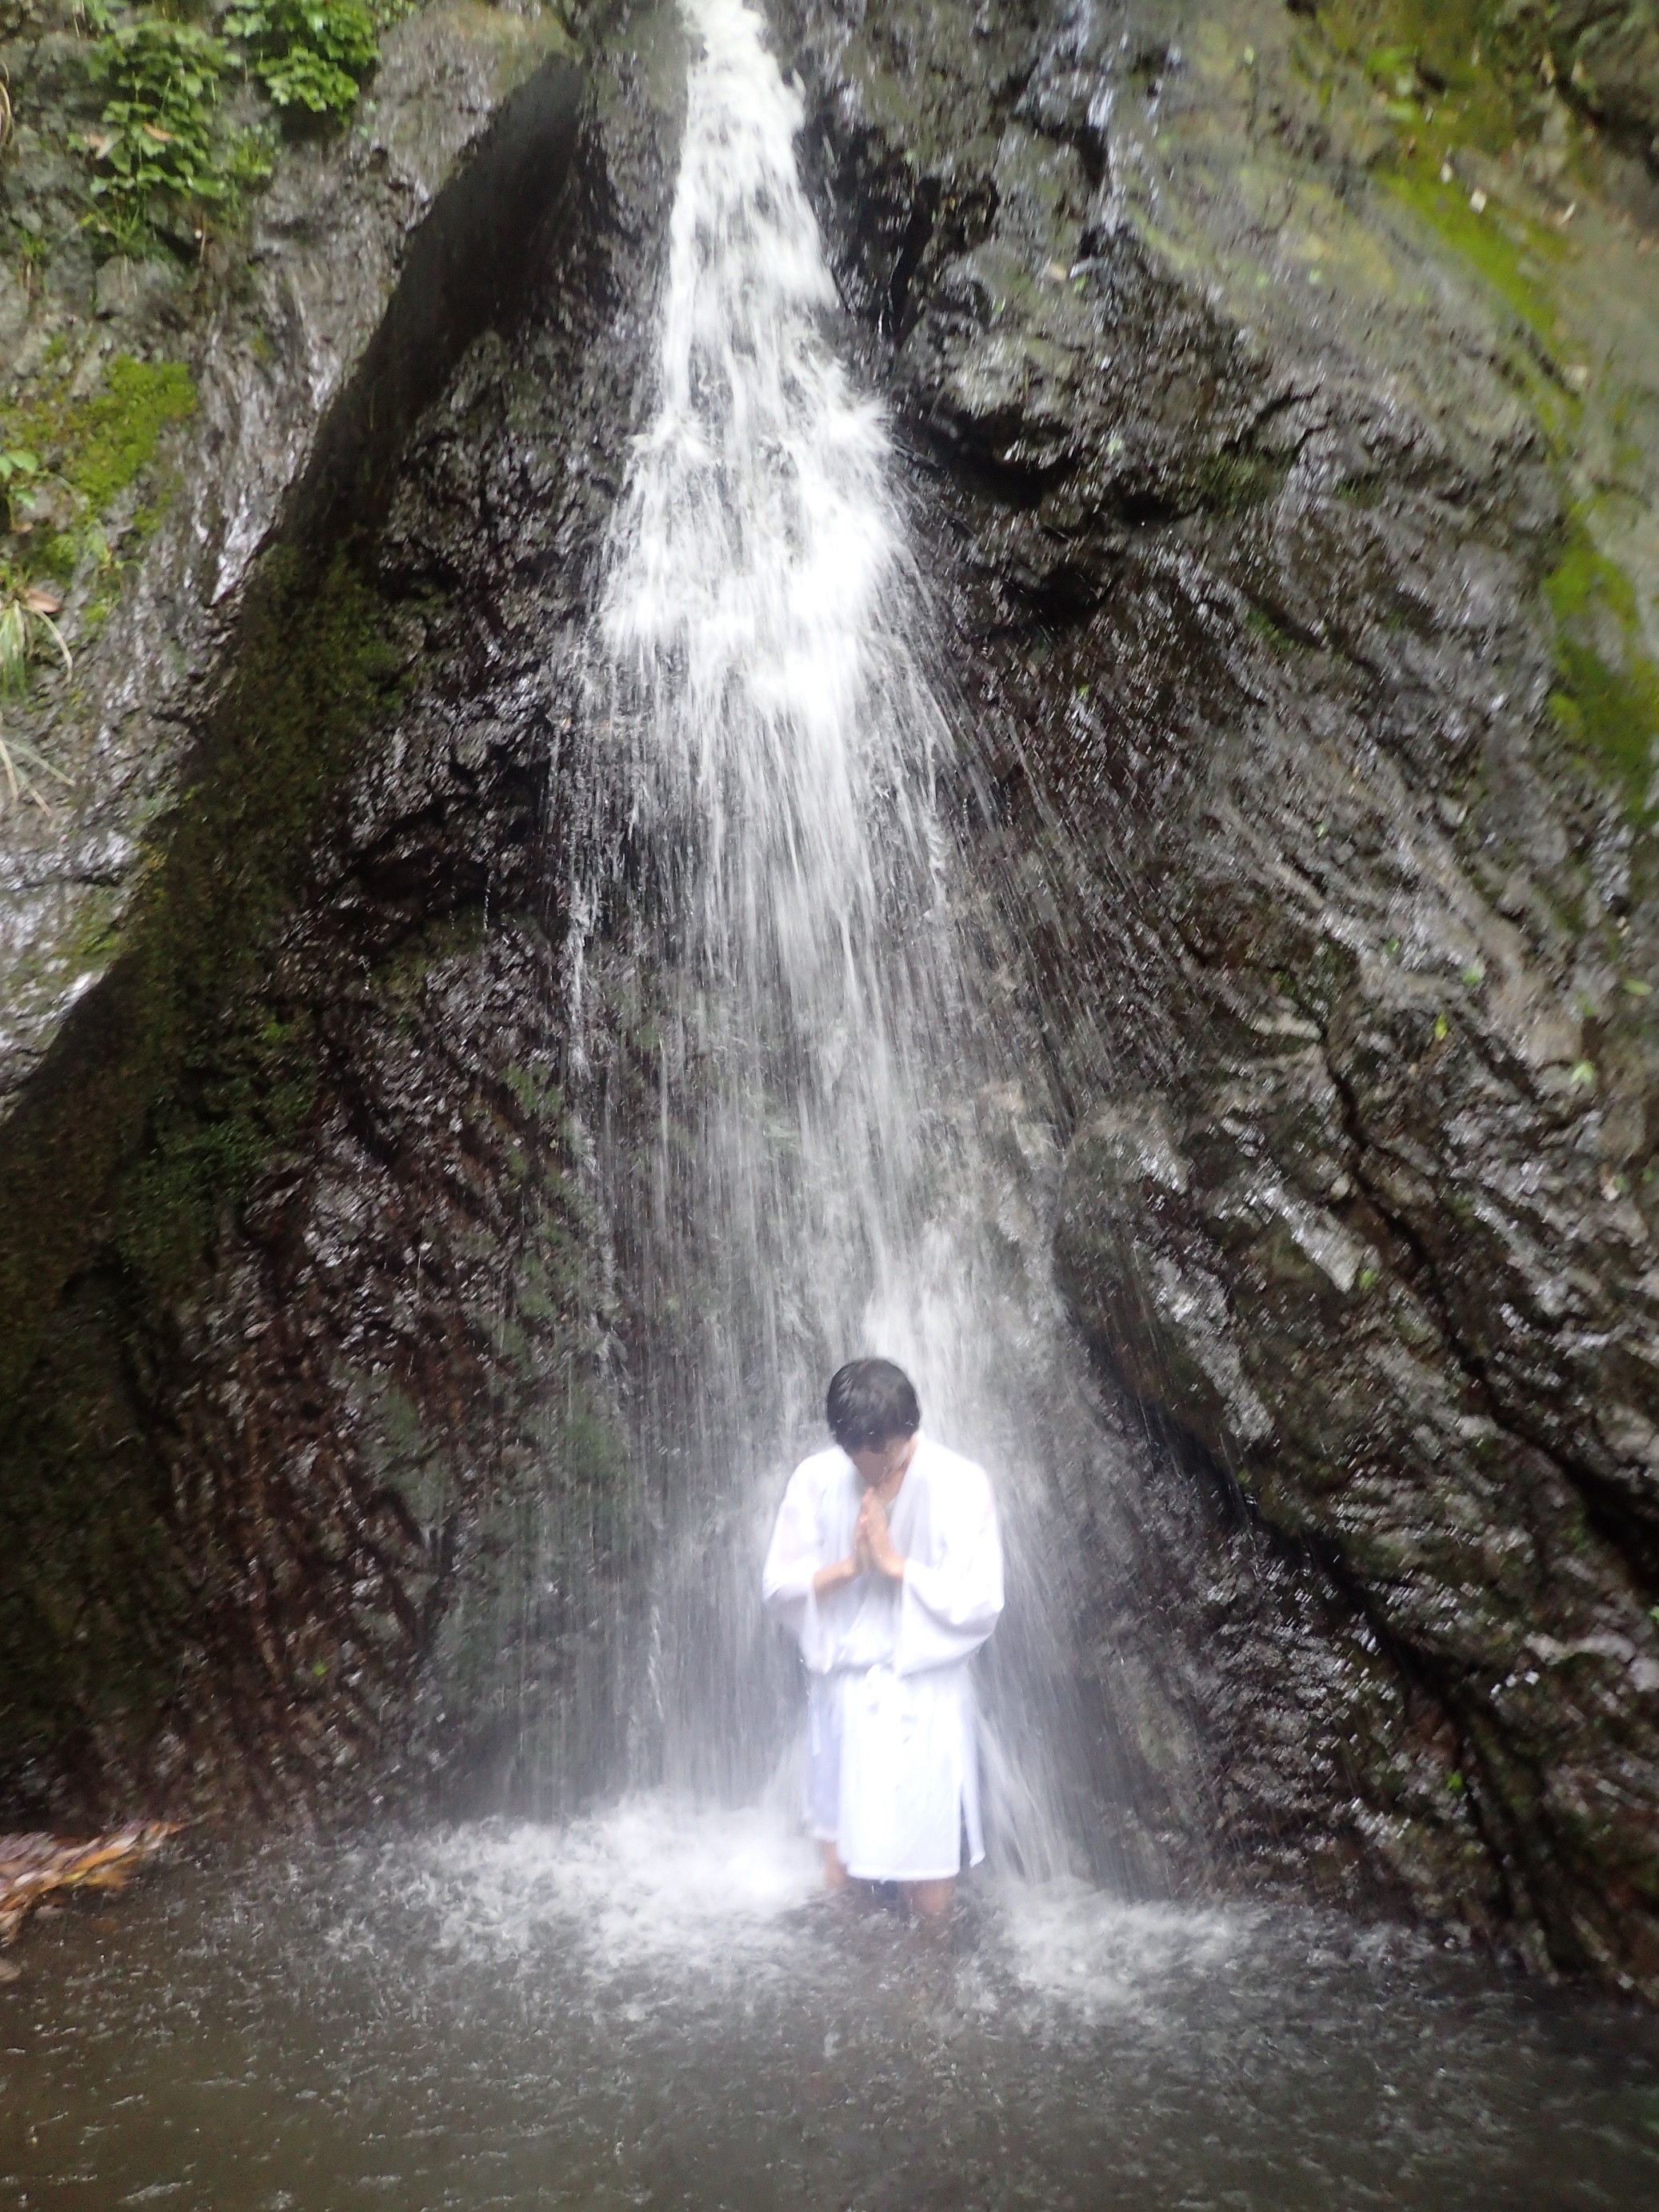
x=34 y=1867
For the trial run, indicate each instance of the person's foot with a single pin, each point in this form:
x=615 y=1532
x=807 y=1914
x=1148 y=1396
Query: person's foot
x=930 y=1900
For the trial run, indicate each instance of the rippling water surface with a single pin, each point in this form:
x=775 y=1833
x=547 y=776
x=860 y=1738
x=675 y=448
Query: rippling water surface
x=658 y=2007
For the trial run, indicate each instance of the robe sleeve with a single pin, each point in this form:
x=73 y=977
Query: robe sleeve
x=792 y=1560
x=950 y=1605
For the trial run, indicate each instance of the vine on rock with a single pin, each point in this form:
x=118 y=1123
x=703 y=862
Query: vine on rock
x=162 y=154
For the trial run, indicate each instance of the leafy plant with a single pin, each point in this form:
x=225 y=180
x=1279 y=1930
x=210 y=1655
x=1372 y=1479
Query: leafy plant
x=33 y=250
x=19 y=765
x=17 y=465
x=311 y=54
x=158 y=138
x=27 y=628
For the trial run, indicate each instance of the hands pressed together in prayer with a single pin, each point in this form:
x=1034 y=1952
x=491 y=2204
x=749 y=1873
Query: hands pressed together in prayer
x=872 y=1552
x=872 y=1544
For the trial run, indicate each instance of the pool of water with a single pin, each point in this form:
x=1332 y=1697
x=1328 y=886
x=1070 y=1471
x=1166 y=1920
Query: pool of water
x=655 y=2007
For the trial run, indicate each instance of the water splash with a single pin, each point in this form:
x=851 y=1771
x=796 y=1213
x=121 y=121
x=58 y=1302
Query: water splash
x=850 y=1154
x=477 y=2020
x=657 y=1893
x=704 y=1893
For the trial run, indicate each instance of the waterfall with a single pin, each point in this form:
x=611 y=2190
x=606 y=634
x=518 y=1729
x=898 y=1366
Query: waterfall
x=846 y=1157
x=780 y=748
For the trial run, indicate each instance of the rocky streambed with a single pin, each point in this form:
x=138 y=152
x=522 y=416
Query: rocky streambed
x=1277 y=398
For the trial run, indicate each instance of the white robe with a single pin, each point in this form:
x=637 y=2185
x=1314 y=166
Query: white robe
x=892 y=1761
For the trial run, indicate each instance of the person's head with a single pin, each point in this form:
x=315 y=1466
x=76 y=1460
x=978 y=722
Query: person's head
x=873 y=1415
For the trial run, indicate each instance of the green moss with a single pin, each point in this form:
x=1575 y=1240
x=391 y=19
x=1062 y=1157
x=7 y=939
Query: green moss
x=317 y=671
x=1510 y=253
x=121 y=426
x=58 y=557
x=1453 y=77
x=101 y=445
x=237 y=1100
x=1607 y=699
x=98 y=935
x=536 y=1097
x=400 y=977
x=1261 y=625
x=1456 y=61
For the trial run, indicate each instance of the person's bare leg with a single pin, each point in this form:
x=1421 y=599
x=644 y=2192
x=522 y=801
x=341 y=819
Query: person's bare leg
x=930 y=1900
x=835 y=1874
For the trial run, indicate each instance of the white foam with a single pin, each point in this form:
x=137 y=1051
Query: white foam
x=1094 y=1955
x=649 y=1883
x=695 y=1901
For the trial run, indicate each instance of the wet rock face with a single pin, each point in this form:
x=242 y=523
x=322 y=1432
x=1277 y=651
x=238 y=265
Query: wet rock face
x=313 y=1482
x=1254 y=526
x=1608 y=54
x=273 y=341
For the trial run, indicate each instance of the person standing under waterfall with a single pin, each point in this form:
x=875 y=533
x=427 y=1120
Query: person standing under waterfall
x=886 y=1564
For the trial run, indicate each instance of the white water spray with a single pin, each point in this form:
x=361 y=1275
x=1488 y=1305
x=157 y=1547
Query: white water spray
x=774 y=771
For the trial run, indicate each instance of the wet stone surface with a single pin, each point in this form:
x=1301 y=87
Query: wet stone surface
x=329 y=1355
x=1253 y=499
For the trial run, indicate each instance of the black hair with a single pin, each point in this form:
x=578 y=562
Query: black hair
x=869 y=1403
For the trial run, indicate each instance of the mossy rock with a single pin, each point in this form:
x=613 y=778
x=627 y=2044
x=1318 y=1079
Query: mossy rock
x=1608 y=702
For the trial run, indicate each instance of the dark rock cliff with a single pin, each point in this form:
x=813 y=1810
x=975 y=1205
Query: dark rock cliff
x=1277 y=394
x=310 y=1461
x=1264 y=418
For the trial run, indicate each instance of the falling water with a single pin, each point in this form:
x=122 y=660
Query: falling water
x=778 y=746
x=847 y=1161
